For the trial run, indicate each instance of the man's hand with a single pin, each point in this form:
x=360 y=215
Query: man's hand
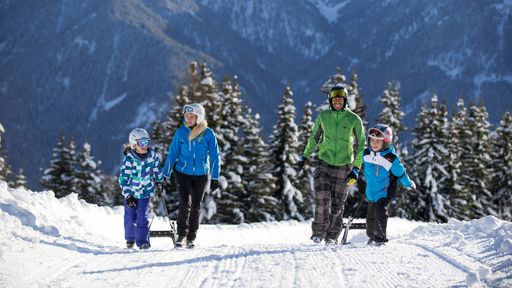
x=302 y=162
x=352 y=176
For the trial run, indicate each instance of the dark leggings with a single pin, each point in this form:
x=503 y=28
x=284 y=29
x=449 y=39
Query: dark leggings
x=377 y=220
x=191 y=189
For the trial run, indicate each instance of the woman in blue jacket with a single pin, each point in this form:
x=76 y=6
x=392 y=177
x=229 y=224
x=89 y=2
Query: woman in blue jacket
x=382 y=170
x=193 y=154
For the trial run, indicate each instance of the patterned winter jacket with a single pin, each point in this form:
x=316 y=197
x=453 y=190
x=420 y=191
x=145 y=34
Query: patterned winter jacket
x=138 y=176
x=382 y=171
x=197 y=157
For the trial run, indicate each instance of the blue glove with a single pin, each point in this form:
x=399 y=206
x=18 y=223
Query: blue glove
x=352 y=176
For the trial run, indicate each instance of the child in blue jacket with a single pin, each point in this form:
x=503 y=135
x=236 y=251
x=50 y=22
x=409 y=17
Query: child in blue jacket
x=139 y=172
x=382 y=170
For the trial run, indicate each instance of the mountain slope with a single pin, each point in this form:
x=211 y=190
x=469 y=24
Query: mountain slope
x=95 y=70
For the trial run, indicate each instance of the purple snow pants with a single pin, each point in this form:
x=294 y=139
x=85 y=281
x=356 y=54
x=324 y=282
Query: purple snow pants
x=136 y=224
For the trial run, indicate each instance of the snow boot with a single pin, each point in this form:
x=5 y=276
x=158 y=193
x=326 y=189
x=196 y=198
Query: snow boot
x=129 y=244
x=316 y=239
x=190 y=244
x=180 y=242
x=329 y=241
x=144 y=246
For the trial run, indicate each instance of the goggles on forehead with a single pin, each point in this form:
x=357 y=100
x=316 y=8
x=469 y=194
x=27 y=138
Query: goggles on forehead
x=338 y=93
x=375 y=134
x=143 y=143
x=188 y=109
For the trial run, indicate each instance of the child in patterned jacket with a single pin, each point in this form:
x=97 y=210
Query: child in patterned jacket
x=140 y=170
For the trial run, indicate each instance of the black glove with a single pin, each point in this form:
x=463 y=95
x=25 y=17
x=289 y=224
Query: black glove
x=352 y=176
x=302 y=162
x=131 y=201
x=214 y=185
x=167 y=184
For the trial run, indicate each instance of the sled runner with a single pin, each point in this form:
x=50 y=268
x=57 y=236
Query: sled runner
x=165 y=233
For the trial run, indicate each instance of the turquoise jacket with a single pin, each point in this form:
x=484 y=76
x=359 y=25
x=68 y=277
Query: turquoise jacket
x=197 y=157
x=382 y=170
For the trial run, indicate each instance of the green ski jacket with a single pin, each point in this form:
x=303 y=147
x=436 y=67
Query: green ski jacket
x=333 y=134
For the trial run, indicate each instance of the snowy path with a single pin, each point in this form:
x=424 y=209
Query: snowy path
x=75 y=244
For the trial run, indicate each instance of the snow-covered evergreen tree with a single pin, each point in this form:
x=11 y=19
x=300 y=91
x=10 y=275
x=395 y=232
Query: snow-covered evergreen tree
x=5 y=169
x=391 y=114
x=19 y=181
x=229 y=120
x=502 y=168
x=59 y=176
x=360 y=107
x=428 y=163
x=284 y=154
x=460 y=197
x=88 y=177
x=306 y=174
x=477 y=163
x=259 y=182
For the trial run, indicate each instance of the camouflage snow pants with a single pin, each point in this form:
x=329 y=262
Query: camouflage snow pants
x=330 y=197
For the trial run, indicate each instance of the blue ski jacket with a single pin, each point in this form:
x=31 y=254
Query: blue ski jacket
x=382 y=171
x=197 y=157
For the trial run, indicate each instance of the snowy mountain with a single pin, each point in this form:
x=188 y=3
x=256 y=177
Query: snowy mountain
x=50 y=242
x=96 y=69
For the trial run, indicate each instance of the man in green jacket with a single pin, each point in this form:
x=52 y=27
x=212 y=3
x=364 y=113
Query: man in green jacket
x=333 y=135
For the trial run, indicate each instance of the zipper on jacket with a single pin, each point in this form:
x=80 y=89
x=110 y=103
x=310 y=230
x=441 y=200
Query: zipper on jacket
x=336 y=139
x=194 y=167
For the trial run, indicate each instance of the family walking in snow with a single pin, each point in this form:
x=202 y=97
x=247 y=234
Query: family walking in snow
x=195 y=159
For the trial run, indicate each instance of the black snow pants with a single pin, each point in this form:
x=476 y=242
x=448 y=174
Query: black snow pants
x=377 y=220
x=191 y=189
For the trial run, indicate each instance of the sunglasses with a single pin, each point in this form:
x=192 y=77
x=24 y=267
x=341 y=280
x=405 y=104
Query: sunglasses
x=143 y=143
x=188 y=109
x=338 y=93
x=375 y=134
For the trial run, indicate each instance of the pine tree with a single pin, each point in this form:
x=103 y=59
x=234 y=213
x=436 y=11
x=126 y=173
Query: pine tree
x=284 y=154
x=391 y=114
x=19 y=181
x=306 y=174
x=360 y=107
x=502 y=168
x=59 y=176
x=476 y=158
x=113 y=195
x=429 y=165
x=259 y=182
x=88 y=177
x=460 y=135
x=229 y=121
x=5 y=169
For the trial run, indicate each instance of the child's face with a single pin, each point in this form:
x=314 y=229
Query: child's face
x=376 y=144
x=141 y=150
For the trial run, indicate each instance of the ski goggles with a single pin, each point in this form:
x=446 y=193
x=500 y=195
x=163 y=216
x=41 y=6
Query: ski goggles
x=143 y=143
x=339 y=93
x=375 y=134
x=188 y=109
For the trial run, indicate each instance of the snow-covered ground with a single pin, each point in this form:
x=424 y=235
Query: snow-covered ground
x=49 y=242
